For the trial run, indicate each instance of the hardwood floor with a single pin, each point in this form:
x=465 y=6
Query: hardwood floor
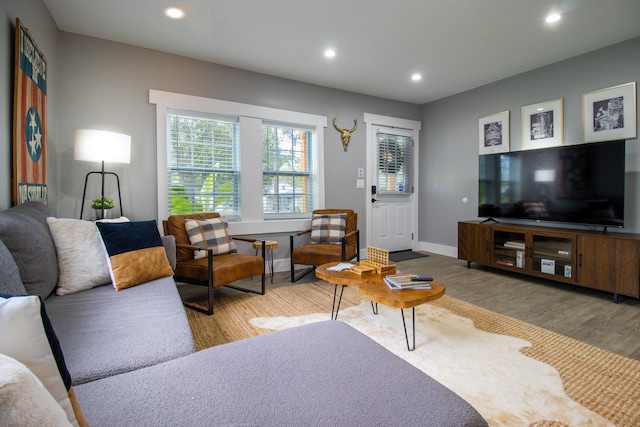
x=584 y=314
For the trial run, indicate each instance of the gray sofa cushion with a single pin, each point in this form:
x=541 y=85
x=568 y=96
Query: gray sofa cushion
x=325 y=373
x=25 y=232
x=103 y=332
x=169 y=243
x=10 y=282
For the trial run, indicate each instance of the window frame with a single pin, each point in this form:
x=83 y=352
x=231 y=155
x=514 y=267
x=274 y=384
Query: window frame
x=233 y=169
x=296 y=174
x=251 y=118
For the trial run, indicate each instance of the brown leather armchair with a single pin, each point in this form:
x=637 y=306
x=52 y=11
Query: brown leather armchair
x=214 y=270
x=316 y=254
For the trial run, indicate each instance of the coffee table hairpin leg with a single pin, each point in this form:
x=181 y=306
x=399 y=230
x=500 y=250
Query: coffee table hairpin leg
x=334 y=308
x=413 y=311
x=374 y=307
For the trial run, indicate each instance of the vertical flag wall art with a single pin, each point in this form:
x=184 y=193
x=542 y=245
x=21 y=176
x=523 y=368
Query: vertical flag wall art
x=29 y=121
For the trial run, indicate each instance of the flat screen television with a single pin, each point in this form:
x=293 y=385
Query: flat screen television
x=578 y=184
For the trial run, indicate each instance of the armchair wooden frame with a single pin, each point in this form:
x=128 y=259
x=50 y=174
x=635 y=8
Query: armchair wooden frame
x=349 y=246
x=210 y=280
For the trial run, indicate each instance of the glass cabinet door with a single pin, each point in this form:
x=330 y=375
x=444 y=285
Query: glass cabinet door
x=509 y=248
x=553 y=255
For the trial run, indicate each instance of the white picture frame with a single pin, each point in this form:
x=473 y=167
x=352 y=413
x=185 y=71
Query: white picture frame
x=609 y=114
x=543 y=124
x=493 y=133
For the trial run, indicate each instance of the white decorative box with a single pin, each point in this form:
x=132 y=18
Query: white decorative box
x=548 y=266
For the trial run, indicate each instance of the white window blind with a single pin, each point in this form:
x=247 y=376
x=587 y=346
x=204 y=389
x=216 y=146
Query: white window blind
x=288 y=176
x=395 y=160
x=203 y=164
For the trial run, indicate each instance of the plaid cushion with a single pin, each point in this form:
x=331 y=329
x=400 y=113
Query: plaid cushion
x=328 y=228
x=210 y=233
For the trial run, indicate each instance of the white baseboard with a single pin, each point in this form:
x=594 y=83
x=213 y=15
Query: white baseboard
x=450 y=251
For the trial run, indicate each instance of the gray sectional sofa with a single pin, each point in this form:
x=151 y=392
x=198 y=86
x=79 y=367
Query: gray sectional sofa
x=132 y=361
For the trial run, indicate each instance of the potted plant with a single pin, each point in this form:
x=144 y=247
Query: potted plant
x=101 y=204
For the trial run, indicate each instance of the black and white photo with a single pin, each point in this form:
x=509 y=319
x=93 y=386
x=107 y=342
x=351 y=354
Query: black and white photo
x=609 y=114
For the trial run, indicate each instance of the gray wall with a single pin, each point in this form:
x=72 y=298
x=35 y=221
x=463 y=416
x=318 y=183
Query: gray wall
x=450 y=131
x=36 y=18
x=105 y=85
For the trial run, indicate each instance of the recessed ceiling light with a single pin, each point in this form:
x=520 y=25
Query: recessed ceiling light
x=554 y=17
x=174 y=13
x=329 y=53
x=416 y=77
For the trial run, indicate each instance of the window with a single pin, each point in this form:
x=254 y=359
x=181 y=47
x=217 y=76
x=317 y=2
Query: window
x=203 y=165
x=260 y=167
x=288 y=180
x=394 y=174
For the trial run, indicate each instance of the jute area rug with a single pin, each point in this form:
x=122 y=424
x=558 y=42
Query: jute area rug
x=567 y=382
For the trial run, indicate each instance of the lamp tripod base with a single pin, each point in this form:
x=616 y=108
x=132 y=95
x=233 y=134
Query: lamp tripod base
x=84 y=193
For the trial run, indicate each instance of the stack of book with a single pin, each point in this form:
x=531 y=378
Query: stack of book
x=408 y=281
x=514 y=245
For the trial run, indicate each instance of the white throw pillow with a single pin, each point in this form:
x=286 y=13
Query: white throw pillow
x=26 y=339
x=82 y=261
x=24 y=401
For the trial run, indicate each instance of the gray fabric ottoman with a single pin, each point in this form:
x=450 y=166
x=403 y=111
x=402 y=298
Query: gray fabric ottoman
x=323 y=374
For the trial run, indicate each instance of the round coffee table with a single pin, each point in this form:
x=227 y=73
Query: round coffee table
x=374 y=286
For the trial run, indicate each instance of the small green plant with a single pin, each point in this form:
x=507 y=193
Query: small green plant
x=97 y=203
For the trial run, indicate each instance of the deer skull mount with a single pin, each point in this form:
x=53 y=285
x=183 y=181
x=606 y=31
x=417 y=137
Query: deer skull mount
x=345 y=134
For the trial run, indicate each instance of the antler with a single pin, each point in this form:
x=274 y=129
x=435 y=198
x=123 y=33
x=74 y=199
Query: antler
x=335 y=125
x=355 y=126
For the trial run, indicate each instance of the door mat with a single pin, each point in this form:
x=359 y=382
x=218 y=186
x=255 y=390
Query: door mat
x=405 y=255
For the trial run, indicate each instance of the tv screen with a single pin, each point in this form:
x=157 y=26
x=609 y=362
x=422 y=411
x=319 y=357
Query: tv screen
x=580 y=184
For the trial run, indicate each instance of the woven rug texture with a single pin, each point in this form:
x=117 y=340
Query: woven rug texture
x=601 y=381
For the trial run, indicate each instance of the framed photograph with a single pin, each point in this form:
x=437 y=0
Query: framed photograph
x=542 y=125
x=29 y=181
x=610 y=114
x=493 y=133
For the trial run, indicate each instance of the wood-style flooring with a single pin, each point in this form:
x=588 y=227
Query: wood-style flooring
x=584 y=314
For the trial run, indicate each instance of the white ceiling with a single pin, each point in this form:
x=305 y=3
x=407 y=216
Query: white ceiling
x=456 y=44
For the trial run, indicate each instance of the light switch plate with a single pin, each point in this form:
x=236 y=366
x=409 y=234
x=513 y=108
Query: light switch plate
x=359 y=183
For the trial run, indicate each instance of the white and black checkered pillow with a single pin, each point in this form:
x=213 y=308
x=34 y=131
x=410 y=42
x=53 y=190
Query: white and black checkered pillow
x=328 y=228
x=210 y=233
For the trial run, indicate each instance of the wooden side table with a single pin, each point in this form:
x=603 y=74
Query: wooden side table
x=269 y=246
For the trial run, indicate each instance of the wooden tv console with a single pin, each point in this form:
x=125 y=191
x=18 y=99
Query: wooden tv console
x=608 y=262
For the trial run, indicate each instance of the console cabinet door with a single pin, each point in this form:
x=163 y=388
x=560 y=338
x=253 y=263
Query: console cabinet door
x=596 y=267
x=474 y=242
x=627 y=267
x=609 y=264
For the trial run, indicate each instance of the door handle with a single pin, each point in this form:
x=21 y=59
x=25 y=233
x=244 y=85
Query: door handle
x=373 y=200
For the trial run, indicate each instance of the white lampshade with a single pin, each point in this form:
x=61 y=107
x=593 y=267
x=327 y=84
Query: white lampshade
x=102 y=146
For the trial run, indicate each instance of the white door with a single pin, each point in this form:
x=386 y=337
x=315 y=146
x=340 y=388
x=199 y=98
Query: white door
x=391 y=211
x=392 y=222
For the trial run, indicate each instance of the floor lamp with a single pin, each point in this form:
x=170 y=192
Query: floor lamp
x=101 y=146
